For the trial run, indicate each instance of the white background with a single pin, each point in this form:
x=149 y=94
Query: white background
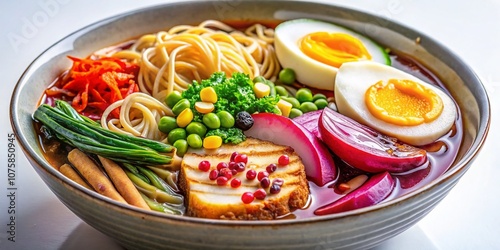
x=468 y=218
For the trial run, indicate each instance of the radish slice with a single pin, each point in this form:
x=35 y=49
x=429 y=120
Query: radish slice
x=372 y=192
x=310 y=121
x=366 y=149
x=407 y=181
x=319 y=165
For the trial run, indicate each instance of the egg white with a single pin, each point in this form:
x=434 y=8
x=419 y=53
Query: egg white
x=307 y=70
x=354 y=78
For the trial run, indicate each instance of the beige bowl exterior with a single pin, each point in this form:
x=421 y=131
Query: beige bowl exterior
x=359 y=229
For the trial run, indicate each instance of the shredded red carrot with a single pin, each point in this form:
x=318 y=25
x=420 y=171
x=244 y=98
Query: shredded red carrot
x=92 y=85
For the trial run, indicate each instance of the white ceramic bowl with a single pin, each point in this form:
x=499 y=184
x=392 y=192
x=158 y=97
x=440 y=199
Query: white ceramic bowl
x=363 y=228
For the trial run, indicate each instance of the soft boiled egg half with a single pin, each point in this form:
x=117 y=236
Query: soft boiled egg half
x=393 y=102
x=315 y=50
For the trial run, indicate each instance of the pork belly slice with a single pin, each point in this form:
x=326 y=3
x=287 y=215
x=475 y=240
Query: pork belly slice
x=206 y=199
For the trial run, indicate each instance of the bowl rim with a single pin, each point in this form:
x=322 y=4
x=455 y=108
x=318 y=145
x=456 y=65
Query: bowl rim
x=458 y=168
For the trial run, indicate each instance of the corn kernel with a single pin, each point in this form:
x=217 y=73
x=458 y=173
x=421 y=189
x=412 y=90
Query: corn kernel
x=184 y=118
x=208 y=94
x=212 y=142
x=285 y=107
x=204 y=107
x=261 y=89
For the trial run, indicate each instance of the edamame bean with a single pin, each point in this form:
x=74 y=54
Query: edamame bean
x=307 y=107
x=287 y=76
x=194 y=141
x=180 y=106
x=281 y=91
x=172 y=98
x=196 y=128
x=226 y=119
x=304 y=95
x=259 y=79
x=295 y=112
x=295 y=103
x=211 y=120
x=182 y=146
x=272 y=87
x=321 y=103
x=318 y=96
x=166 y=124
x=176 y=134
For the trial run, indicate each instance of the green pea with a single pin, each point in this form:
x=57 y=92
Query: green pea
x=211 y=120
x=321 y=103
x=172 y=98
x=196 y=128
x=281 y=91
x=287 y=76
x=272 y=87
x=307 y=107
x=226 y=119
x=194 y=141
x=295 y=103
x=304 y=95
x=180 y=106
x=166 y=124
x=182 y=146
x=259 y=79
x=318 y=96
x=295 y=112
x=176 y=134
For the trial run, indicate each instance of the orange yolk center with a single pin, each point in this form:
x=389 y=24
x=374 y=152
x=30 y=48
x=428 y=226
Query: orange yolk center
x=403 y=102
x=333 y=48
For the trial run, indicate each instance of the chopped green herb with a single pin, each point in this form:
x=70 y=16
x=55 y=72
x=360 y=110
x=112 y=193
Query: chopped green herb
x=229 y=135
x=234 y=94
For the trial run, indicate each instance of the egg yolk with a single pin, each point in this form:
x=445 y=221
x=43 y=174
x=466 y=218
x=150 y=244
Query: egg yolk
x=403 y=102
x=333 y=48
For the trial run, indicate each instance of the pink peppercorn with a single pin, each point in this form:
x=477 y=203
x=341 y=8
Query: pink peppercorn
x=247 y=197
x=261 y=175
x=231 y=165
x=240 y=167
x=235 y=182
x=213 y=174
x=221 y=180
x=274 y=189
x=265 y=182
x=226 y=172
x=284 y=160
x=278 y=181
x=233 y=155
x=271 y=168
x=204 y=166
x=221 y=165
x=260 y=194
x=251 y=174
x=241 y=158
